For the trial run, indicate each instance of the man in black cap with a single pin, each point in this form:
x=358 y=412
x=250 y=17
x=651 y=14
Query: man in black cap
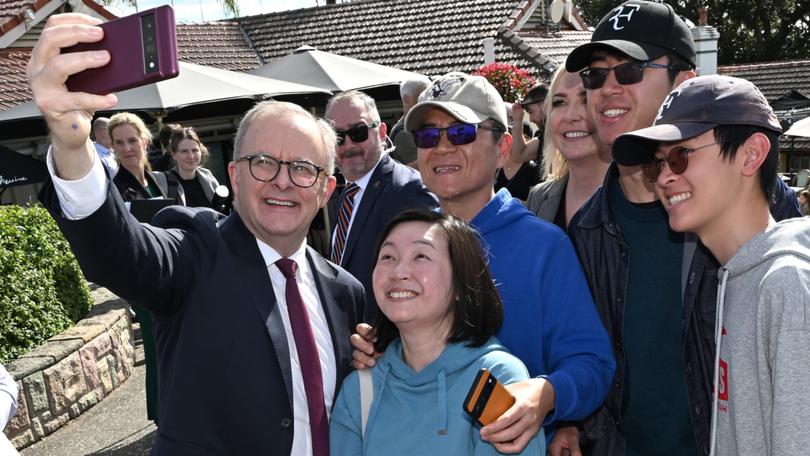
x=655 y=289
x=713 y=154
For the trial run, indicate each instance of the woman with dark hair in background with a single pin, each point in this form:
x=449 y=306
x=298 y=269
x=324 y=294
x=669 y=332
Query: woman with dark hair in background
x=191 y=184
x=439 y=311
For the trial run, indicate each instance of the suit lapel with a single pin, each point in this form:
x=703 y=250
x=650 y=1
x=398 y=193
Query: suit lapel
x=379 y=180
x=330 y=291
x=250 y=268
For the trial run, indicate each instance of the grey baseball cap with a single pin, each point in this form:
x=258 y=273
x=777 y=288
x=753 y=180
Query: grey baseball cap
x=693 y=108
x=470 y=99
x=639 y=29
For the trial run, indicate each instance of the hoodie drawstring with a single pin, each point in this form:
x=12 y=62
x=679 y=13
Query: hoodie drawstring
x=718 y=338
x=443 y=402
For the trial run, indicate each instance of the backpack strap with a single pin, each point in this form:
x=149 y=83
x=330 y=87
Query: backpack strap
x=366 y=397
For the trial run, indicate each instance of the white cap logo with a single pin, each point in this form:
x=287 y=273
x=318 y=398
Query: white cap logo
x=667 y=103
x=622 y=14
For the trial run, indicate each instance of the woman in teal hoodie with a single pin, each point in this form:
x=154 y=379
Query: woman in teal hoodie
x=439 y=313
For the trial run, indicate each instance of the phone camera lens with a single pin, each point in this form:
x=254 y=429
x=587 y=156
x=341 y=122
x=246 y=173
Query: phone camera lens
x=151 y=64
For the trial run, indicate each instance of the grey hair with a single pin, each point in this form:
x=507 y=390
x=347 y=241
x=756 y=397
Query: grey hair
x=413 y=87
x=100 y=124
x=352 y=95
x=282 y=108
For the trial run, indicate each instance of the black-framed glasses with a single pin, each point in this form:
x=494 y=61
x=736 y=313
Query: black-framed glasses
x=677 y=158
x=266 y=168
x=626 y=73
x=457 y=134
x=357 y=133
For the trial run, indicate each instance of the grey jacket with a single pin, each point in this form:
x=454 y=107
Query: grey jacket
x=544 y=198
x=207 y=180
x=763 y=405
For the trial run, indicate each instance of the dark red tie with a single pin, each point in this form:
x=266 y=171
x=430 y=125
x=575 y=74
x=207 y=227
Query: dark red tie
x=308 y=358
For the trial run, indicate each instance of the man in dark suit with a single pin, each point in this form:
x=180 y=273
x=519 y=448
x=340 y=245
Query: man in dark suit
x=252 y=326
x=377 y=186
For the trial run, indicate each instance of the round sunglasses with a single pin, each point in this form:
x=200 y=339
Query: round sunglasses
x=677 y=158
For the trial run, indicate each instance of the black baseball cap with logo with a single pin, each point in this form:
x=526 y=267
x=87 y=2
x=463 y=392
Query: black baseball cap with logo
x=641 y=30
x=693 y=108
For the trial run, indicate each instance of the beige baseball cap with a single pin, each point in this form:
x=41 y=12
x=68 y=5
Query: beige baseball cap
x=470 y=99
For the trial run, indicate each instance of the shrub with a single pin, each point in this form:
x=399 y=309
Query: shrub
x=510 y=81
x=42 y=289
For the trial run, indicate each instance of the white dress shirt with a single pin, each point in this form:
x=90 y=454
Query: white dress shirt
x=302 y=435
x=80 y=198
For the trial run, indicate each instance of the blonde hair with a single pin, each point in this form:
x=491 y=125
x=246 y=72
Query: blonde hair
x=127 y=118
x=555 y=166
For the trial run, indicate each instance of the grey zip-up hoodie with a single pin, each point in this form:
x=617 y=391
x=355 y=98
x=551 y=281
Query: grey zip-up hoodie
x=762 y=404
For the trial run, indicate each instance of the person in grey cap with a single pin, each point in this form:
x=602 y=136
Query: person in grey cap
x=655 y=289
x=550 y=323
x=713 y=154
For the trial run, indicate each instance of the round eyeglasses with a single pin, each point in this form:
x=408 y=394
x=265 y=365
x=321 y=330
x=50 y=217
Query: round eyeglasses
x=266 y=168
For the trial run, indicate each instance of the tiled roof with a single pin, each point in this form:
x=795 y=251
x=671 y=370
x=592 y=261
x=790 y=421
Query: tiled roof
x=776 y=79
x=427 y=36
x=14 y=88
x=217 y=44
x=773 y=79
x=558 y=45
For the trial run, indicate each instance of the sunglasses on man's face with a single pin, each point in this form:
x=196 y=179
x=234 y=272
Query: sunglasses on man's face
x=357 y=133
x=677 y=158
x=458 y=134
x=626 y=73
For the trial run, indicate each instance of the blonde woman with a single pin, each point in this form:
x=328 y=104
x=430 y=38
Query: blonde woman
x=135 y=178
x=574 y=161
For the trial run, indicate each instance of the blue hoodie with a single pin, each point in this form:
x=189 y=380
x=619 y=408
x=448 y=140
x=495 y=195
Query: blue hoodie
x=550 y=321
x=420 y=413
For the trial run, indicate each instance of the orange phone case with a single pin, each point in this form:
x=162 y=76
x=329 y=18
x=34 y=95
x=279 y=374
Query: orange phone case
x=487 y=398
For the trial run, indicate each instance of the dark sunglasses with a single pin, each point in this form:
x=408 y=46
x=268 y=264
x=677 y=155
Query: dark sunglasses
x=458 y=134
x=626 y=73
x=677 y=158
x=357 y=133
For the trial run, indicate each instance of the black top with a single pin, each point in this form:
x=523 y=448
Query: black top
x=195 y=196
x=524 y=179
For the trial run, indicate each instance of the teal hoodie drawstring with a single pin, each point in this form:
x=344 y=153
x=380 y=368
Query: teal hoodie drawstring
x=443 y=402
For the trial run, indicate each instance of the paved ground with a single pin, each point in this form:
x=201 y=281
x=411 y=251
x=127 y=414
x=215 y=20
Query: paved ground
x=116 y=426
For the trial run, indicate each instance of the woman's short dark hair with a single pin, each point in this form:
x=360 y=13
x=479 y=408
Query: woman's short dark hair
x=477 y=309
x=188 y=133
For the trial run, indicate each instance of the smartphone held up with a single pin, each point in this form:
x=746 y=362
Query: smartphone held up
x=487 y=399
x=143 y=50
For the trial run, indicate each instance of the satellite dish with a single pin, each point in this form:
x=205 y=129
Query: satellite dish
x=557 y=9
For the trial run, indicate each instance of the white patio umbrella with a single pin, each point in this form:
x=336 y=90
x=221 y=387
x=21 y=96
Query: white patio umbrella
x=332 y=72
x=800 y=128
x=196 y=84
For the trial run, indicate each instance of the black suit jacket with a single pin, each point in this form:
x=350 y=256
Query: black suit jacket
x=393 y=188
x=224 y=366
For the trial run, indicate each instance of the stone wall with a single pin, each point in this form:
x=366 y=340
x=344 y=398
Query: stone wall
x=72 y=371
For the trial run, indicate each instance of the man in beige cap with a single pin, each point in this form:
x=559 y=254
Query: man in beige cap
x=550 y=322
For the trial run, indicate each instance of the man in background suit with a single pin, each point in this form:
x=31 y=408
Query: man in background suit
x=377 y=186
x=252 y=326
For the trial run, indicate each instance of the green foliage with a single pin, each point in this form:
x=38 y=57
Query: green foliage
x=510 y=81
x=750 y=30
x=42 y=289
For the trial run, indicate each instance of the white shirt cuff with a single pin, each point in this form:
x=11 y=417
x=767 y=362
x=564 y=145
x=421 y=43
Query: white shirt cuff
x=80 y=198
